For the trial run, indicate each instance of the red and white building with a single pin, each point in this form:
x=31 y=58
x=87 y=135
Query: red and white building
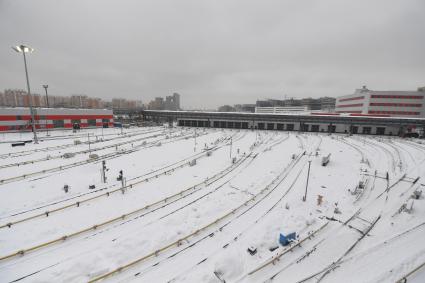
x=383 y=103
x=19 y=119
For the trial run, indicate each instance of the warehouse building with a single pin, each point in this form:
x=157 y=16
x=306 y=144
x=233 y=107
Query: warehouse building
x=19 y=119
x=314 y=122
x=383 y=103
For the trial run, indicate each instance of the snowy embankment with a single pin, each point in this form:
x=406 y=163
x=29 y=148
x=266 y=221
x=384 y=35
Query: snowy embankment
x=194 y=200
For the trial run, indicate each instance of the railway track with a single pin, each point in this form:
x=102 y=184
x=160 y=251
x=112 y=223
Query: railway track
x=171 y=167
x=168 y=201
x=152 y=175
x=335 y=264
x=46 y=149
x=162 y=171
x=17 y=164
x=146 y=209
x=240 y=234
x=263 y=193
x=84 y=162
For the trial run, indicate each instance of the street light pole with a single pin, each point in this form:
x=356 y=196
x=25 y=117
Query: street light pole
x=306 y=185
x=48 y=106
x=231 y=143
x=24 y=49
x=47 y=96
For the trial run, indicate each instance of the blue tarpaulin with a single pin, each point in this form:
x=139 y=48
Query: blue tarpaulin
x=285 y=240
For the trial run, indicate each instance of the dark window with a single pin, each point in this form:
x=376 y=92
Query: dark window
x=58 y=124
x=91 y=122
x=314 y=128
x=367 y=130
x=270 y=126
x=261 y=126
x=105 y=120
x=290 y=127
x=380 y=130
x=279 y=127
x=75 y=121
x=237 y=125
x=216 y=124
x=244 y=125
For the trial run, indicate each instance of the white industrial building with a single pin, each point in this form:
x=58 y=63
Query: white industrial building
x=283 y=110
x=383 y=103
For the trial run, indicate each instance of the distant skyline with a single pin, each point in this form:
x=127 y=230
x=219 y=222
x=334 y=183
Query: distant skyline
x=213 y=52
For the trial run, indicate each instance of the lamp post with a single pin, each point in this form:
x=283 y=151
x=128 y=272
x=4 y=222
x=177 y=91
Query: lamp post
x=48 y=106
x=47 y=96
x=306 y=185
x=26 y=49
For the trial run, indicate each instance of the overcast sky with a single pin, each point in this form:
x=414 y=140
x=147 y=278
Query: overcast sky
x=213 y=52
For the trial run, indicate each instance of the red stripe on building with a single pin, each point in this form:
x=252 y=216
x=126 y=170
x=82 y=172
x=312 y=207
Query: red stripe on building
x=352 y=98
x=350 y=105
x=397 y=104
x=326 y=114
x=53 y=117
x=348 y=111
x=8 y=118
x=397 y=96
x=394 y=112
x=74 y=117
x=369 y=115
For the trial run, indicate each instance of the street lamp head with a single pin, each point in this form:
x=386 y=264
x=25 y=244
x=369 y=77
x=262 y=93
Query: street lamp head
x=23 y=49
x=46 y=86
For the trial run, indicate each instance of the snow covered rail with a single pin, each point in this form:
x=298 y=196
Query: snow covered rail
x=416 y=269
x=277 y=257
x=269 y=188
x=357 y=148
x=108 y=193
x=324 y=272
x=27 y=152
x=77 y=152
x=166 y=201
x=257 y=220
x=83 y=162
x=174 y=166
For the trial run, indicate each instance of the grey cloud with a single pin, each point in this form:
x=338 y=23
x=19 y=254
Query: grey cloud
x=214 y=52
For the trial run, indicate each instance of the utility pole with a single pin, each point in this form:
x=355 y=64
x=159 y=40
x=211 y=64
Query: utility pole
x=24 y=49
x=104 y=169
x=308 y=176
x=48 y=106
x=194 y=148
x=88 y=138
x=231 y=143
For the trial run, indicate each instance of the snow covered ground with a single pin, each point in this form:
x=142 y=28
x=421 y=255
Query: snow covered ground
x=194 y=200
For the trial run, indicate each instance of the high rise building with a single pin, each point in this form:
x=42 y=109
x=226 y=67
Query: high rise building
x=172 y=102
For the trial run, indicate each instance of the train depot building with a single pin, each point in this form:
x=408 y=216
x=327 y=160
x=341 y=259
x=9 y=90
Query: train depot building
x=19 y=119
x=314 y=122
